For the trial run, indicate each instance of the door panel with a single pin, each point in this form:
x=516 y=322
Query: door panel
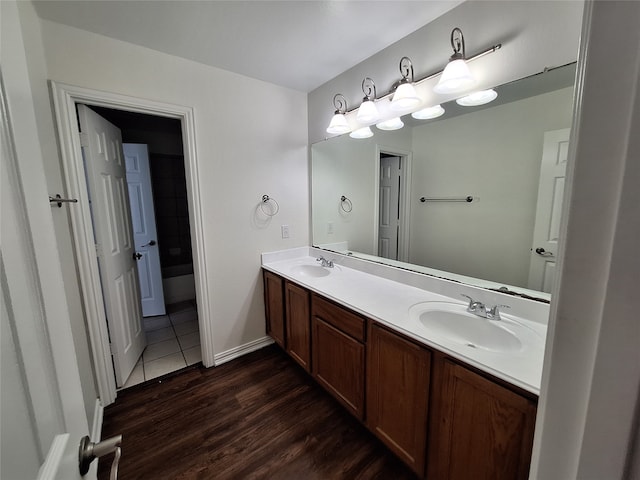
x=389 y=207
x=398 y=394
x=144 y=228
x=41 y=395
x=549 y=209
x=112 y=226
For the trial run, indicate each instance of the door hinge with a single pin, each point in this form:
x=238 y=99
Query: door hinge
x=112 y=349
x=98 y=250
x=84 y=140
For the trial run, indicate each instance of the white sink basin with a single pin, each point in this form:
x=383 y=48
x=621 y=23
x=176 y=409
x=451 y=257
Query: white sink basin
x=310 y=270
x=452 y=322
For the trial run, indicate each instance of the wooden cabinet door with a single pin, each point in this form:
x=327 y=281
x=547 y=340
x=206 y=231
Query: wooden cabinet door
x=397 y=394
x=483 y=430
x=274 y=306
x=298 y=324
x=338 y=365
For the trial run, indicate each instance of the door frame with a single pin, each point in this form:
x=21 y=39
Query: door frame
x=65 y=97
x=405 y=200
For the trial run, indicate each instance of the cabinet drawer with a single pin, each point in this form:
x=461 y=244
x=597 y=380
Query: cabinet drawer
x=342 y=319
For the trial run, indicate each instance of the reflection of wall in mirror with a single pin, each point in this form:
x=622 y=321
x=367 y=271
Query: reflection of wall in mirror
x=346 y=166
x=493 y=155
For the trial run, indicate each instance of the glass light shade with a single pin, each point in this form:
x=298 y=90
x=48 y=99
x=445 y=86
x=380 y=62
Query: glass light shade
x=456 y=78
x=405 y=98
x=338 y=125
x=478 y=98
x=368 y=112
x=393 y=124
x=429 y=112
x=364 y=132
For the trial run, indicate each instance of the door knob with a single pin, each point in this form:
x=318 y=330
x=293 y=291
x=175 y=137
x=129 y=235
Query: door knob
x=137 y=255
x=543 y=253
x=89 y=451
x=150 y=244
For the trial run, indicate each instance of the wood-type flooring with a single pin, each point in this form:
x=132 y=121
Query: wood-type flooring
x=257 y=417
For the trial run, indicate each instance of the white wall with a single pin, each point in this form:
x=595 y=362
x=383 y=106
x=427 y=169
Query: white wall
x=494 y=155
x=348 y=166
x=32 y=38
x=41 y=387
x=241 y=157
x=534 y=35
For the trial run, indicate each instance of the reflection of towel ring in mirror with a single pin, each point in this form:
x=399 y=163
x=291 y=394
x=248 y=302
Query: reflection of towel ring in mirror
x=274 y=207
x=345 y=201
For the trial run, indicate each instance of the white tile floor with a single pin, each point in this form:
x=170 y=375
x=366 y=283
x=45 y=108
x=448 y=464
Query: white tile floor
x=173 y=342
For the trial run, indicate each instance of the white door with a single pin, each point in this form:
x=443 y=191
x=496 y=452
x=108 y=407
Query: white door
x=542 y=269
x=106 y=178
x=389 y=207
x=42 y=412
x=145 y=237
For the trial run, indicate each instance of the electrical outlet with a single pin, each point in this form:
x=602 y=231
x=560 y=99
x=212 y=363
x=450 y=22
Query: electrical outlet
x=330 y=227
x=285 y=231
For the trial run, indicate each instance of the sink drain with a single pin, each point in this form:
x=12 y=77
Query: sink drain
x=471 y=345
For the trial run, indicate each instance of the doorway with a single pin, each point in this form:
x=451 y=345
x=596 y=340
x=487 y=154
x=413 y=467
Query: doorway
x=153 y=154
x=392 y=218
x=65 y=97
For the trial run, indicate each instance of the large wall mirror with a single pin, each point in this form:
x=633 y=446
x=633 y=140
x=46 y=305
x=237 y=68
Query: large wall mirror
x=474 y=195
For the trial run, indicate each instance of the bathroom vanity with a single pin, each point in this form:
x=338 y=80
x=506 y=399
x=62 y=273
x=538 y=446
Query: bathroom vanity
x=450 y=409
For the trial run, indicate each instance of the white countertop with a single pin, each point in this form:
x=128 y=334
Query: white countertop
x=388 y=302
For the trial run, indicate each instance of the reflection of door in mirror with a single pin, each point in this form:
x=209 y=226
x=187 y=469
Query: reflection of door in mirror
x=389 y=213
x=548 y=210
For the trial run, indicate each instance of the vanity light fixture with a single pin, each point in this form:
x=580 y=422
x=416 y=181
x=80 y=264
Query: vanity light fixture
x=405 y=97
x=368 y=112
x=339 y=124
x=364 y=132
x=429 y=112
x=478 y=98
x=392 y=124
x=456 y=77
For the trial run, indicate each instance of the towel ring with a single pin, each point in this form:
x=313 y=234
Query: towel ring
x=265 y=200
x=345 y=201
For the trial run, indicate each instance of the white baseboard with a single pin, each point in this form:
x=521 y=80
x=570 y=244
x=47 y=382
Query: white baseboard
x=236 y=352
x=98 y=415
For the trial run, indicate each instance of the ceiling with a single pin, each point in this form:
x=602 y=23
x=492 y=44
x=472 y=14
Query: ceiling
x=296 y=44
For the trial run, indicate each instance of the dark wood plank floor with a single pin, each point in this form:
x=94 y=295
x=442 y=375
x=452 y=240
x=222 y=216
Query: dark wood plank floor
x=257 y=417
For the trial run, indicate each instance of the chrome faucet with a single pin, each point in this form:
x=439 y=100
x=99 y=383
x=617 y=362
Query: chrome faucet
x=325 y=262
x=480 y=309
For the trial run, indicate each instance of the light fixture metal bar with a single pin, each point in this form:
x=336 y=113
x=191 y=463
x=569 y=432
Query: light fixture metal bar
x=388 y=95
x=487 y=51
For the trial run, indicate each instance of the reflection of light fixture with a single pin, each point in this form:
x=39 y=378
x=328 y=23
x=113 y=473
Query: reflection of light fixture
x=339 y=124
x=368 y=112
x=478 y=98
x=429 y=112
x=456 y=77
x=364 y=132
x=405 y=97
x=392 y=124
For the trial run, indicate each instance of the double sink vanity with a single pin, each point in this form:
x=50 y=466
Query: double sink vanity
x=446 y=375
